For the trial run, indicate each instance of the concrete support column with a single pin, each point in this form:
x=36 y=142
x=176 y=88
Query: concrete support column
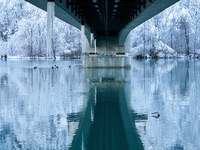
x=85 y=42
x=50 y=20
x=91 y=39
x=128 y=43
x=83 y=35
x=95 y=46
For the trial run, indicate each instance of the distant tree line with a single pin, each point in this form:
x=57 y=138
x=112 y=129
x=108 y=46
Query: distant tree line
x=177 y=27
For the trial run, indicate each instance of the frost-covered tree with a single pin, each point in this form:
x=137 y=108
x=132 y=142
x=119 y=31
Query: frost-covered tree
x=177 y=27
x=23 y=31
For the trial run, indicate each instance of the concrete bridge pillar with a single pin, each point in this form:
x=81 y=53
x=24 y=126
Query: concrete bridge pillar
x=95 y=46
x=50 y=20
x=83 y=36
x=105 y=52
x=91 y=39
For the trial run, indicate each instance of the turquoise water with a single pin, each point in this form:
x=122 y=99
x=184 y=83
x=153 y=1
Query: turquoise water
x=74 y=108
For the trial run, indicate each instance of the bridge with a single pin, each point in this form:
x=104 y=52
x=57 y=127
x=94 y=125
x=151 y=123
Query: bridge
x=105 y=25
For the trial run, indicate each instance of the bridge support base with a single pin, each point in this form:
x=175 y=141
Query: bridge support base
x=104 y=51
x=106 y=62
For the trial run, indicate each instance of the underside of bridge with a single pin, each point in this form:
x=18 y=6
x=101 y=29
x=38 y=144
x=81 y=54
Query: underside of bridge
x=109 y=22
x=105 y=17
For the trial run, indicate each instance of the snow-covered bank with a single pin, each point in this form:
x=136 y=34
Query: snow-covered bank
x=159 y=50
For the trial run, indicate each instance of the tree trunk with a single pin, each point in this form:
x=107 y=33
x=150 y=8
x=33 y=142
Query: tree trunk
x=144 y=40
x=53 y=48
x=31 y=44
x=187 y=42
x=171 y=41
x=39 y=41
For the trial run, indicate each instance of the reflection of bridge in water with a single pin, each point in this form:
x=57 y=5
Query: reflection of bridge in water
x=106 y=122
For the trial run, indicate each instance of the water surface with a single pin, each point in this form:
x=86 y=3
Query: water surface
x=74 y=108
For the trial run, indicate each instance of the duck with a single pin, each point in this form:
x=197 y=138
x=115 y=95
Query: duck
x=156 y=114
x=55 y=66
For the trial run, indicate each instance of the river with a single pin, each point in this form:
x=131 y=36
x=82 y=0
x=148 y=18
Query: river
x=69 y=107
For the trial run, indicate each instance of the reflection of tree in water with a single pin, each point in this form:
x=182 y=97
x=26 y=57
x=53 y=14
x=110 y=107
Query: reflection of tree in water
x=35 y=104
x=4 y=79
x=174 y=94
x=183 y=77
x=177 y=147
x=7 y=132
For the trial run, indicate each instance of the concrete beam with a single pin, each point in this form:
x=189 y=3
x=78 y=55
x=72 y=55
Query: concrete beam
x=151 y=10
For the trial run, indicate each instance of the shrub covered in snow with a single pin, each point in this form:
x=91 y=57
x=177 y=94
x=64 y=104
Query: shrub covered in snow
x=162 y=50
x=158 y=50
